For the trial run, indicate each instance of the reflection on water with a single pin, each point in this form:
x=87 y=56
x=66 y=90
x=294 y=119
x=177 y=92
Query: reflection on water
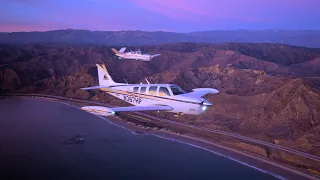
x=46 y=140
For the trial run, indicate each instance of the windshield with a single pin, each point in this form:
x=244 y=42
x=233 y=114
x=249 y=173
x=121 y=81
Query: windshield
x=177 y=90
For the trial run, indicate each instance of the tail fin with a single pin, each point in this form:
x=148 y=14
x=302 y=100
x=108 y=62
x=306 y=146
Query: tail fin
x=120 y=51
x=104 y=77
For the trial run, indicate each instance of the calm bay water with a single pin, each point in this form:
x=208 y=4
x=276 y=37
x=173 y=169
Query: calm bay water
x=47 y=140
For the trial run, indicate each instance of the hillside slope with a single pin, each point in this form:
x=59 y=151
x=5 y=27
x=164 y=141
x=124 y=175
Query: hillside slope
x=267 y=91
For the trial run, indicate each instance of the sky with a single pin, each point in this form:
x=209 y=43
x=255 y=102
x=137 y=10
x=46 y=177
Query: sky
x=158 y=15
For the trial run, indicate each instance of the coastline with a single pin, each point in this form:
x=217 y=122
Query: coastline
x=234 y=155
x=258 y=163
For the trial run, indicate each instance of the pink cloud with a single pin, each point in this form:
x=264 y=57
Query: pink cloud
x=195 y=10
x=174 y=9
x=244 y=10
x=152 y=14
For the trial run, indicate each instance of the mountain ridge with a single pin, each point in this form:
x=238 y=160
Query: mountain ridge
x=267 y=91
x=307 y=38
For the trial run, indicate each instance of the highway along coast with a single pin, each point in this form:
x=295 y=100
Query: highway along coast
x=264 y=156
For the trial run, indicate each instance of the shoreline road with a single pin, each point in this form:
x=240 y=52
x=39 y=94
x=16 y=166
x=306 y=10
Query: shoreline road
x=248 y=139
x=268 y=144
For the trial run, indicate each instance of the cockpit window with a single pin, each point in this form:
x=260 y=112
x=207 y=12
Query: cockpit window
x=163 y=91
x=177 y=90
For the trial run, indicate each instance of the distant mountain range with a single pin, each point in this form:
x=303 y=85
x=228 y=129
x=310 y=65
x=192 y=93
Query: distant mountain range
x=307 y=38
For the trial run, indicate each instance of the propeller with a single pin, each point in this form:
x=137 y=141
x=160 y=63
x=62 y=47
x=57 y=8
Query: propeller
x=203 y=108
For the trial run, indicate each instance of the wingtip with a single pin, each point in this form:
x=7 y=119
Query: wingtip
x=214 y=91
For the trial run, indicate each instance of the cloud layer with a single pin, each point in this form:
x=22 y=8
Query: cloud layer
x=177 y=15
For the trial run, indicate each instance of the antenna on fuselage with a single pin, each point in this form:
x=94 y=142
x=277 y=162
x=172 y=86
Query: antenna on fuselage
x=125 y=81
x=147 y=80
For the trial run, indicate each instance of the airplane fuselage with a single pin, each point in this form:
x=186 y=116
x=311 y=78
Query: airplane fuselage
x=159 y=94
x=142 y=57
x=134 y=55
x=149 y=97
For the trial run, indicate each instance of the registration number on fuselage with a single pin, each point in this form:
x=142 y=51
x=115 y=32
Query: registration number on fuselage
x=132 y=99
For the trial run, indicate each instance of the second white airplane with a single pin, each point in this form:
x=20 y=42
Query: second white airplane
x=134 y=55
x=150 y=97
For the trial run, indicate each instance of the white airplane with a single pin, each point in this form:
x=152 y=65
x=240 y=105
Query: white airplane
x=136 y=55
x=150 y=97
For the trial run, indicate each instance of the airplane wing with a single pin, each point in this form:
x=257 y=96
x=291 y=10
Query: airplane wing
x=104 y=111
x=142 y=108
x=199 y=92
x=155 y=55
x=94 y=87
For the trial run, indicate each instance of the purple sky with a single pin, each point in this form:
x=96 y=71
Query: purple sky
x=162 y=15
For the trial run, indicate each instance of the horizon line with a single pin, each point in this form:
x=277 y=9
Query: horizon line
x=267 y=29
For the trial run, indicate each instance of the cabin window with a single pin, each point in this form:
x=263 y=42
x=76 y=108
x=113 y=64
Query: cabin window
x=135 y=89
x=163 y=91
x=143 y=90
x=176 y=90
x=153 y=90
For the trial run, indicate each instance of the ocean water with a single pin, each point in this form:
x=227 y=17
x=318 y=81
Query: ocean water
x=47 y=140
